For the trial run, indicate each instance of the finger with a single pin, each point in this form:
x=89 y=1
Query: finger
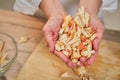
x=55 y=37
x=70 y=64
x=95 y=44
x=49 y=37
x=61 y=56
x=97 y=41
x=83 y=59
x=91 y=60
x=100 y=32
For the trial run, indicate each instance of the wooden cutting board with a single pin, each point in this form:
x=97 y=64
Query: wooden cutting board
x=43 y=65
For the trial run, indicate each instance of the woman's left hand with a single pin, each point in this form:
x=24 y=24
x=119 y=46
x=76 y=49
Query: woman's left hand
x=98 y=26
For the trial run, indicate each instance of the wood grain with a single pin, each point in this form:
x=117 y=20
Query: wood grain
x=19 y=25
x=43 y=65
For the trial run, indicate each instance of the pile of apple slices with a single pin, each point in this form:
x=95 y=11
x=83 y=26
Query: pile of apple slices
x=76 y=36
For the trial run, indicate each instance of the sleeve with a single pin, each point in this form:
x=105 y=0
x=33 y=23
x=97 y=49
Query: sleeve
x=27 y=6
x=109 y=5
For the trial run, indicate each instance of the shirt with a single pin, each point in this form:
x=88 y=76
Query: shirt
x=30 y=7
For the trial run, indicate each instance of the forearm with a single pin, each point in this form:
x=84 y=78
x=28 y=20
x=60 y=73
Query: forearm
x=52 y=8
x=91 y=6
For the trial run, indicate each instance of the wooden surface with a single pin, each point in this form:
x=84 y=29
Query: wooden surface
x=43 y=65
x=19 y=25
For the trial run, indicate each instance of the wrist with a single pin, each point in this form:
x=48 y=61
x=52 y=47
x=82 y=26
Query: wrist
x=91 y=7
x=89 y=11
x=52 y=8
x=59 y=15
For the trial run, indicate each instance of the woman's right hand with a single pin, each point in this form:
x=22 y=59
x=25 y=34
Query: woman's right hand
x=51 y=30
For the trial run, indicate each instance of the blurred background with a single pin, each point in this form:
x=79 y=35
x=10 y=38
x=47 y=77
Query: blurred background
x=111 y=20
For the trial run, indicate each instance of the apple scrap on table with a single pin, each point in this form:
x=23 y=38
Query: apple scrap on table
x=76 y=36
x=80 y=72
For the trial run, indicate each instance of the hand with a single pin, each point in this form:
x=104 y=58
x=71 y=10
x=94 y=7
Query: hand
x=98 y=26
x=51 y=29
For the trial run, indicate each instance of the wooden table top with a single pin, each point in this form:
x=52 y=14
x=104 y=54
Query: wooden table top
x=19 y=25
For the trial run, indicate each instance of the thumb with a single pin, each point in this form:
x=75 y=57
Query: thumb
x=49 y=37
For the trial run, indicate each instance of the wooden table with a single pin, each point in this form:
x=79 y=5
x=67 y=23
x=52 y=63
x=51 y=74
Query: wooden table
x=19 y=25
